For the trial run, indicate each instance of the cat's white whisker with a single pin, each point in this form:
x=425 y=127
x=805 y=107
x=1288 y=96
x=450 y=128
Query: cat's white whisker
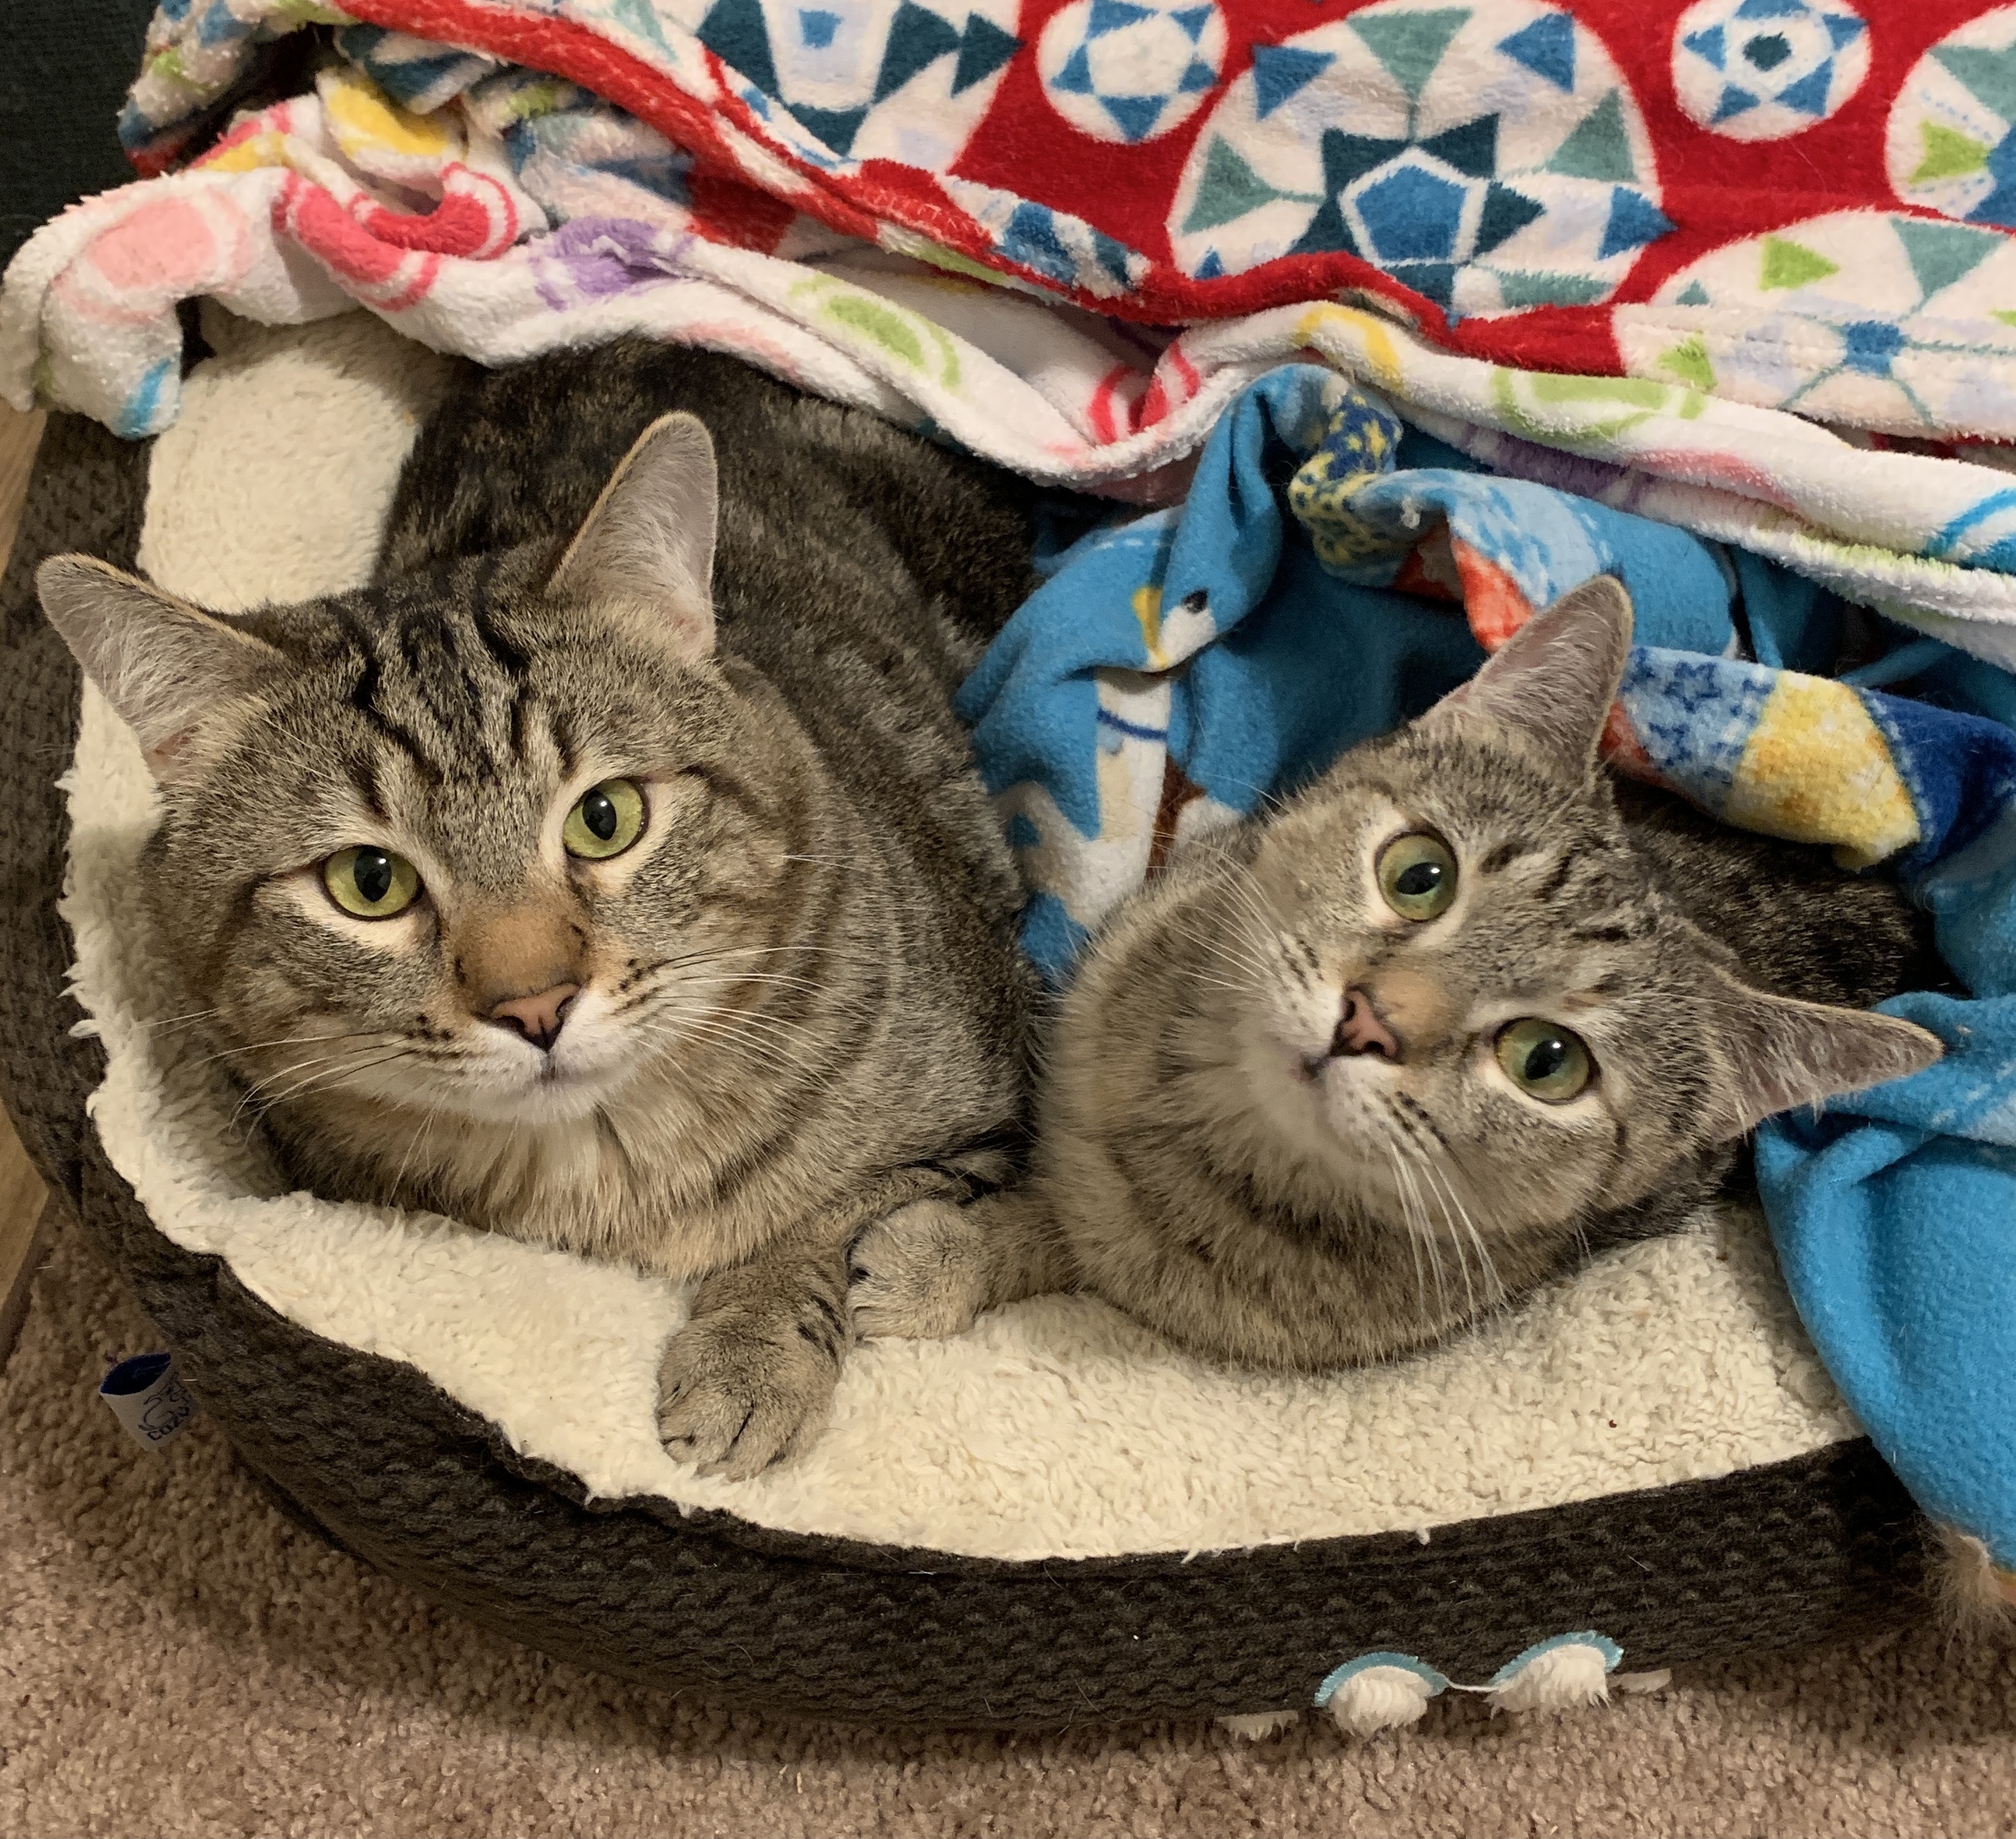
x=185 y=1020
x=1456 y=1239
x=784 y=1030
x=1442 y=1180
x=348 y=1067
x=1413 y=1236
x=419 y=1136
x=844 y=1000
x=1228 y=951
x=376 y=1034
x=255 y=1090
x=1416 y=1214
x=771 y=1052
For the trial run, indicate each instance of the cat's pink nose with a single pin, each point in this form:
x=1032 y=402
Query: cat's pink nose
x=537 y=1018
x=1360 y=1030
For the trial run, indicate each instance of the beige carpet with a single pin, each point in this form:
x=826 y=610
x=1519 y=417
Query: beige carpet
x=176 y=1658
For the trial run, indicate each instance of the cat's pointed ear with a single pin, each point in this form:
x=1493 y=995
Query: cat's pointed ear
x=163 y=664
x=648 y=543
x=1784 y=1054
x=1551 y=684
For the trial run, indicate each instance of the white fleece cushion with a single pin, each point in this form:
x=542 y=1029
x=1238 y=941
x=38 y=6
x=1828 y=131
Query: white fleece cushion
x=1053 y=1429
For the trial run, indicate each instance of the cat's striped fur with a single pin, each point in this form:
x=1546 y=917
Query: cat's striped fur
x=800 y=1004
x=1273 y=1122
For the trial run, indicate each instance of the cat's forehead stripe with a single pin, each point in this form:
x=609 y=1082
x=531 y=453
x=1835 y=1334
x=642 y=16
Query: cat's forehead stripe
x=1557 y=877
x=365 y=699
x=511 y=659
x=1501 y=856
x=566 y=738
x=439 y=680
x=363 y=772
x=1607 y=933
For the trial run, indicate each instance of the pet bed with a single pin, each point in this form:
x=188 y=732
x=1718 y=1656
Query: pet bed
x=1053 y=1518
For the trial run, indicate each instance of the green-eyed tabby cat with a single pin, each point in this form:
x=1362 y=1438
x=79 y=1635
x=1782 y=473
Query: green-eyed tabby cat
x=610 y=871
x=1362 y=1068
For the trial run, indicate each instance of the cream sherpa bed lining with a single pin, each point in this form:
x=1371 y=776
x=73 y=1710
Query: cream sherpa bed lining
x=1055 y=1429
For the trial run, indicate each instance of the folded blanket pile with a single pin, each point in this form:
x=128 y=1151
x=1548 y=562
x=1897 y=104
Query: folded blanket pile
x=1102 y=241
x=490 y=209
x=1693 y=192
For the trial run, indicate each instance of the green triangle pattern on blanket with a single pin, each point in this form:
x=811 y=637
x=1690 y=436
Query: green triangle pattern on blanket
x=1410 y=45
x=1598 y=147
x=1941 y=254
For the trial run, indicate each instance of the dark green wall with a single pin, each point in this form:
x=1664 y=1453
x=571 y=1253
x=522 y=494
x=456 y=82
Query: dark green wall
x=64 y=69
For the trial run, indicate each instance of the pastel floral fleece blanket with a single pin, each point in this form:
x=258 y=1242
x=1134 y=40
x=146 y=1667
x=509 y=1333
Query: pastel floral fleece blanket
x=1073 y=235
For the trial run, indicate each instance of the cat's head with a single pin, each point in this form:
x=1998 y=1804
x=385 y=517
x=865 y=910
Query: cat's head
x=481 y=843
x=1448 y=983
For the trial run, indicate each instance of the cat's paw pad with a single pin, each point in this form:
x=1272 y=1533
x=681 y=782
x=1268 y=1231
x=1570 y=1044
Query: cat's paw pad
x=736 y=1394
x=920 y=1275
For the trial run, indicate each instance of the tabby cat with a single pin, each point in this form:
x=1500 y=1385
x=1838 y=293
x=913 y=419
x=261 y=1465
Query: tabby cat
x=1458 y=1015
x=610 y=871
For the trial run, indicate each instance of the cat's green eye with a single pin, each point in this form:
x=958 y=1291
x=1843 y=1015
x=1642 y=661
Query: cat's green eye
x=606 y=822
x=373 y=884
x=1550 y=1061
x=1417 y=876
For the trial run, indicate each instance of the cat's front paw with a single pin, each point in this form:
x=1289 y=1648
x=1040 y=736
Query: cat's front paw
x=919 y=1274
x=739 y=1389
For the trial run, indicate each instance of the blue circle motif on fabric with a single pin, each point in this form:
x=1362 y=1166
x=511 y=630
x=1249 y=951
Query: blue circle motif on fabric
x=1761 y=69
x=1367 y=136
x=1131 y=70
x=1901 y=321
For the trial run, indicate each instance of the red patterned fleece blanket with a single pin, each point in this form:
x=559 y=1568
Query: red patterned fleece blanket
x=1796 y=203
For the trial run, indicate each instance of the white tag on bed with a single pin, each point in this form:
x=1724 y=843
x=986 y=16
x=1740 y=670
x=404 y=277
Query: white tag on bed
x=148 y=1398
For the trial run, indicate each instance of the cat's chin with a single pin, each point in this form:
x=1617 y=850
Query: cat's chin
x=553 y=1096
x=526 y=1093
x=592 y=1064
x=1312 y=1116
x=517 y=1095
